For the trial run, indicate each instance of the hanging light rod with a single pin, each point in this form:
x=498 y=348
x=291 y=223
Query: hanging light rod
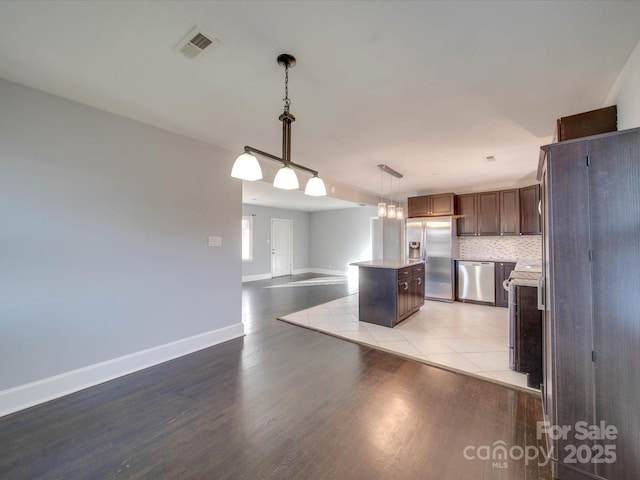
x=248 y=149
x=246 y=166
x=389 y=170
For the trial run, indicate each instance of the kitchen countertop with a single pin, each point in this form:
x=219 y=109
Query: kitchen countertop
x=524 y=279
x=483 y=260
x=390 y=264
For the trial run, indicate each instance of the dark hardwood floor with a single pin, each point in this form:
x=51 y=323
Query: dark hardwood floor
x=284 y=402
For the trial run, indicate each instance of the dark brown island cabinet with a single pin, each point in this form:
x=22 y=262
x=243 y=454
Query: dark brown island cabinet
x=389 y=291
x=591 y=305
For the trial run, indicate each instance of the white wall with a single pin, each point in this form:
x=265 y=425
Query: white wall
x=260 y=267
x=103 y=244
x=626 y=92
x=339 y=237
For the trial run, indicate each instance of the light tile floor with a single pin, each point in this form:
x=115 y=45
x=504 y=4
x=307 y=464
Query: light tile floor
x=463 y=337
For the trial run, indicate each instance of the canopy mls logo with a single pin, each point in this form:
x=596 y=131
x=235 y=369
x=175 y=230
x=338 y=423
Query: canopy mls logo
x=499 y=454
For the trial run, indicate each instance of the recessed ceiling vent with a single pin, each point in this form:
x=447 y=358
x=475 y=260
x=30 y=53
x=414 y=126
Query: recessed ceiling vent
x=196 y=43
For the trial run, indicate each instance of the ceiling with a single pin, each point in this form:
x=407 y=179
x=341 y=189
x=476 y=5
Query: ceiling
x=430 y=88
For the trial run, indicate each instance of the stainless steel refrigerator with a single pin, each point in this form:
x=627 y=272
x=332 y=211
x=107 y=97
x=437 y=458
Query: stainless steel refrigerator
x=434 y=240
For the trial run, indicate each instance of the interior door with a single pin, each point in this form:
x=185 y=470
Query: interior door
x=281 y=247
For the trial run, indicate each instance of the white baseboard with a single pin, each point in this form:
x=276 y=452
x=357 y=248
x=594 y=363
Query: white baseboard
x=341 y=273
x=34 y=393
x=253 y=278
x=297 y=271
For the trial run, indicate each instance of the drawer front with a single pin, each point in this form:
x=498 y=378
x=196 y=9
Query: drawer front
x=417 y=270
x=404 y=273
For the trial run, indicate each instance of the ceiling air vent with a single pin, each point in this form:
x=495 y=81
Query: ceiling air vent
x=196 y=43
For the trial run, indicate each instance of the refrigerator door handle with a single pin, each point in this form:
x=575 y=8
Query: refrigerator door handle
x=423 y=244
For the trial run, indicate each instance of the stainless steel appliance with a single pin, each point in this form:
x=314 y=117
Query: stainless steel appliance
x=414 y=250
x=477 y=282
x=434 y=240
x=526 y=273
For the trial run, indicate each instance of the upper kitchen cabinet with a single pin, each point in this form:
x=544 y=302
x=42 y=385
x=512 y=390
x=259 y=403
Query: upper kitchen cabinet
x=510 y=212
x=488 y=213
x=602 y=120
x=440 y=205
x=467 y=207
x=530 y=210
x=507 y=212
x=479 y=214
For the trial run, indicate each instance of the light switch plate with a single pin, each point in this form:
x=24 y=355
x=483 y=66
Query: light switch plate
x=215 y=241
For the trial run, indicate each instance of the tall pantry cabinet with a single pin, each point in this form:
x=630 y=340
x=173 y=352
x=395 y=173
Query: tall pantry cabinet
x=591 y=304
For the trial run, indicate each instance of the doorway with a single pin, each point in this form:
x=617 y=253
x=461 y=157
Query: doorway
x=281 y=247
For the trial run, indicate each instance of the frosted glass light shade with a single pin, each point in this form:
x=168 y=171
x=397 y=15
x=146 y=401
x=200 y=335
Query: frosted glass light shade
x=315 y=187
x=246 y=167
x=399 y=213
x=382 y=209
x=286 y=179
x=391 y=211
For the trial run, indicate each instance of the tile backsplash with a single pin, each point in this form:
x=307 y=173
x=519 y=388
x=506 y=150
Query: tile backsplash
x=500 y=248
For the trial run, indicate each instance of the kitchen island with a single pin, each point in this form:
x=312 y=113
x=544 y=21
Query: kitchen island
x=389 y=291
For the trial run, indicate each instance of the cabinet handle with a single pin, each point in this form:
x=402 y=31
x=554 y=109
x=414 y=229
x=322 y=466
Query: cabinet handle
x=406 y=286
x=540 y=292
x=419 y=281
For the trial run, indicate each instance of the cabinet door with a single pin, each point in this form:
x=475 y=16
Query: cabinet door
x=404 y=287
x=529 y=210
x=418 y=206
x=568 y=306
x=417 y=292
x=614 y=198
x=467 y=209
x=442 y=204
x=510 y=212
x=503 y=270
x=488 y=213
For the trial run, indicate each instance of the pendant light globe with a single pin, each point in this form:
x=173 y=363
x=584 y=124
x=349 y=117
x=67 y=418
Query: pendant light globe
x=315 y=187
x=246 y=167
x=286 y=179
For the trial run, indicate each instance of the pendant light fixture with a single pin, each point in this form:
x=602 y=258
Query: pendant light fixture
x=399 y=209
x=385 y=210
x=382 y=206
x=391 y=208
x=246 y=166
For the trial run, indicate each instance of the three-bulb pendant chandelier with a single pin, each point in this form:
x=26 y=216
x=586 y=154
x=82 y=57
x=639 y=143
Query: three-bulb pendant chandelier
x=390 y=210
x=246 y=166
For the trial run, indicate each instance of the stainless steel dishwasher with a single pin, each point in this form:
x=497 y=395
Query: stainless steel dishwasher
x=476 y=282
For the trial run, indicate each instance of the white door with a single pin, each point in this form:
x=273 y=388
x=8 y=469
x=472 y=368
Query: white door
x=281 y=241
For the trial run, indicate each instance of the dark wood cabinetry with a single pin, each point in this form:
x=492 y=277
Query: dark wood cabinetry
x=503 y=270
x=506 y=212
x=591 y=325
x=529 y=210
x=467 y=206
x=388 y=295
x=488 y=213
x=594 y=122
x=510 y=212
x=431 y=205
x=478 y=214
x=410 y=291
x=528 y=335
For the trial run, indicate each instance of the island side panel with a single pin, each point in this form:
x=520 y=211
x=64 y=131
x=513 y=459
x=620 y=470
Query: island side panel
x=378 y=295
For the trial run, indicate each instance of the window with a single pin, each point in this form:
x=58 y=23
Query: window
x=247 y=238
